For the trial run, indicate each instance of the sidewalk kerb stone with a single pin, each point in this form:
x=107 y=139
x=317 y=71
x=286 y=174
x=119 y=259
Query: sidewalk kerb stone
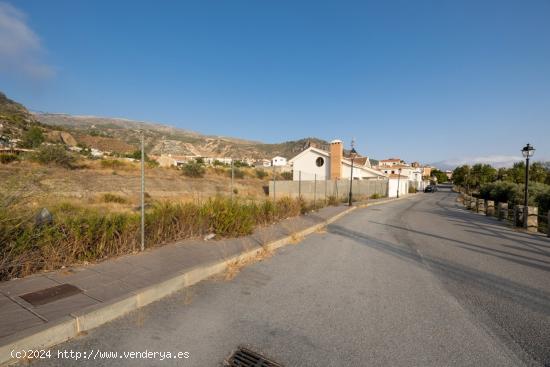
x=39 y=337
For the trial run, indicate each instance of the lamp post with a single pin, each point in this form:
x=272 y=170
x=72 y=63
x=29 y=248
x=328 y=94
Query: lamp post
x=528 y=151
x=352 y=154
x=398 y=181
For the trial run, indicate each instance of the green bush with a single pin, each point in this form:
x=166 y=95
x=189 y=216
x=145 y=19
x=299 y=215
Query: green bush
x=375 y=196
x=32 y=138
x=6 y=158
x=54 y=154
x=193 y=169
x=412 y=190
x=261 y=174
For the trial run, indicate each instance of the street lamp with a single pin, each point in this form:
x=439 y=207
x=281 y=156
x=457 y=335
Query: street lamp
x=528 y=151
x=398 y=180
x=353 y=154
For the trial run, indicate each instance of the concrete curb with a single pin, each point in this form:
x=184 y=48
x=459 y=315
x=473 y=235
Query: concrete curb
x=50 y=334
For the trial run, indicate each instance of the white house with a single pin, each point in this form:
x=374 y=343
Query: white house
x=407 y=172
x=314 y=163
x=395 y=182
x=278 y=161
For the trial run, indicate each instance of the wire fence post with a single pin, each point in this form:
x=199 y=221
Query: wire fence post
x=315 y=192
x=274 y=181
x=299 y=184
x=326 y=183
x=142 y=192
x=232 y=178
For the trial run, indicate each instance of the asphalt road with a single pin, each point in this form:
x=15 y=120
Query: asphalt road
x=418 y=282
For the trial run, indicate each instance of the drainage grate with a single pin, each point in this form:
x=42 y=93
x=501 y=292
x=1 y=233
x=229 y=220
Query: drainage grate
x=246 y=358
x=48 y=295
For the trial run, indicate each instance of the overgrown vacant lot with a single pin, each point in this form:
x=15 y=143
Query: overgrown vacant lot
x=88 y=185
x=94 y=211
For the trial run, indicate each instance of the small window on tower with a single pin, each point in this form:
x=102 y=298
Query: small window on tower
x=320 y=161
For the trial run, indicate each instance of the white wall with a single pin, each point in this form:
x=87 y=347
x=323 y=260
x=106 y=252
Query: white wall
x=403 y=187
x=306 y=164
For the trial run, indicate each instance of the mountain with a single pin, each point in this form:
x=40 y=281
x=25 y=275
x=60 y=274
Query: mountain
x=122 y=135
x=496 y=161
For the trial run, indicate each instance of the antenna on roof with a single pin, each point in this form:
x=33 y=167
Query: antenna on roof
x=352 y=143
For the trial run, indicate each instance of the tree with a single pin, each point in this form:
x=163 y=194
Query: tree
x=32 y=138
x=440 y=175
x=482 y=174
x=461 y=175
x=54 y=154
x=537 y=172
x=516 y=174
x=193 y=169
x=136 y=154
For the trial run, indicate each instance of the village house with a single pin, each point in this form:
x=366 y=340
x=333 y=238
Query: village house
x=278 y=161
x=314 y=163
x=169 y=160
x=412 y=173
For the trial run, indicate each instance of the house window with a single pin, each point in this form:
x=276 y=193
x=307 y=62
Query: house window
x=319 y=162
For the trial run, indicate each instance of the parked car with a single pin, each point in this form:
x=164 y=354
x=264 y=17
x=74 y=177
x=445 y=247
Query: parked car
x=429 y=188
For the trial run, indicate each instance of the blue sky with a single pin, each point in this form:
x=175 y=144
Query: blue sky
x=423 y=80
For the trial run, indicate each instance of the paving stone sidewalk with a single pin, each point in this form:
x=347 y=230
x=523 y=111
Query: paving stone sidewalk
x=114 y=278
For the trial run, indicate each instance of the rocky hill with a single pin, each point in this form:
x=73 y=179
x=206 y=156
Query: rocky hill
x=116 y=134
x=123 y=136
x=14 y=118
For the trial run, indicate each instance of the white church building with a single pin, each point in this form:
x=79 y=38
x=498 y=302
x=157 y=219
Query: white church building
x=314 y=163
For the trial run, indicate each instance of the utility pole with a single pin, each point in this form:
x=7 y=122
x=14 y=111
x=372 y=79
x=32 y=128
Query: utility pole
x=142 y=192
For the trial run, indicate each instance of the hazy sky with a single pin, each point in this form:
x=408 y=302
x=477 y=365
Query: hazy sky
x=423 y=80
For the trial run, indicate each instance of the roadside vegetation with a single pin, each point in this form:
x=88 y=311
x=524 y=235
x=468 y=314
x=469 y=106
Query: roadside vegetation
x=78 y=234
x=507 y=185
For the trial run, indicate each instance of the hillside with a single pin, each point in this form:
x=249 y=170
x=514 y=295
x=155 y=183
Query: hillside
x=116 y=134
x=14 y=118
x=123 y=136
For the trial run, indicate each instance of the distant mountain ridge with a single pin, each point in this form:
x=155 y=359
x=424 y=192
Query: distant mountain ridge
x=120 y=134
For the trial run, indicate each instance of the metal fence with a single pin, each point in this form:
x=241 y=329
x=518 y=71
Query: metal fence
x=323 y=189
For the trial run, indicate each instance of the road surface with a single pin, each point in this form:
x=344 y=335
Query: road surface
x=418 y=282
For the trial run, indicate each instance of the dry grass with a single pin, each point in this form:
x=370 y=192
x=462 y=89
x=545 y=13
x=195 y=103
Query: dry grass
x=235 y=267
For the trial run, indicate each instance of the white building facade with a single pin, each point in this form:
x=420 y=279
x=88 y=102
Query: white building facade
x=314 y=163
x=278 y=161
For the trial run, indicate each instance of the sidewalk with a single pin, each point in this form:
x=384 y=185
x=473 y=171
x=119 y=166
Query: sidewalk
x=128 y=282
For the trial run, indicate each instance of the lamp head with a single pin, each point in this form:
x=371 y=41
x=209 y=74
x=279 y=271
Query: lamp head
x=528 y=151
x=353 y=153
